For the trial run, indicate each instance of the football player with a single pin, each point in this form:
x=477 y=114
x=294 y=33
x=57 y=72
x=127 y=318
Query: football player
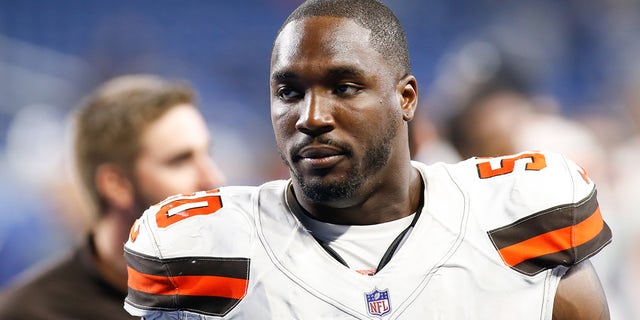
x=359 y=230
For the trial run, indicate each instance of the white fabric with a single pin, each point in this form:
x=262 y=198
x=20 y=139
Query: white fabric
x=361 y=247
x=446 y=269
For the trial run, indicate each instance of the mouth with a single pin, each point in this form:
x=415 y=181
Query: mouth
x=317 y=157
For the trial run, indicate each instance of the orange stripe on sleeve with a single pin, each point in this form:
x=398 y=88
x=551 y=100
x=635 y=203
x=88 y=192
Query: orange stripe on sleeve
x=554 y=241
x=187 y=285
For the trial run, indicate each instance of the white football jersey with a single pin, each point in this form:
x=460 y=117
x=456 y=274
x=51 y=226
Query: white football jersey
x=492 y=241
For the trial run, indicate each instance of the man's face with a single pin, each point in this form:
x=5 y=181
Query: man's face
x=335 y=107
x=174 y=157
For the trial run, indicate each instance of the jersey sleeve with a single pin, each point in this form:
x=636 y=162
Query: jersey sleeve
x=558 y=219
x=184 y=258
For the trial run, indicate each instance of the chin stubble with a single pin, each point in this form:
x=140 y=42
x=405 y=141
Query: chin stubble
x=376 y=157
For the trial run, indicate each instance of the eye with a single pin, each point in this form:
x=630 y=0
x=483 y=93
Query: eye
x=288 y=94
x=179 y=159
x=346 y=89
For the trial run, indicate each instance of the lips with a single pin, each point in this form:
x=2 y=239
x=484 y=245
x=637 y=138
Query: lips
x=319 y=151
x=319 y=157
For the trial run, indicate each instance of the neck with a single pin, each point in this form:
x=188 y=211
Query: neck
x=110 y=234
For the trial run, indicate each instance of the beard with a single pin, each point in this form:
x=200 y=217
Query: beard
x=376 y=157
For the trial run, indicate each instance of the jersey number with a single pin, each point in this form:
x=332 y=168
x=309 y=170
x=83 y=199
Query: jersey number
x=181 y=208
x=537 y=162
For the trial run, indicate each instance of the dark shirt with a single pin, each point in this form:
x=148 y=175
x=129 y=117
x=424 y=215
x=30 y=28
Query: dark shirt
x=71 y=288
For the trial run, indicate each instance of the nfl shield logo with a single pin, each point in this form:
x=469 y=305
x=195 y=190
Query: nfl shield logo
x=378 y=302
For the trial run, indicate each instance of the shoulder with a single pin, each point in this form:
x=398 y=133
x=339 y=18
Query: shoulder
x=539 y=209
x=188 y=244
x=204 y=223
x=520 y=184
x=532 y=181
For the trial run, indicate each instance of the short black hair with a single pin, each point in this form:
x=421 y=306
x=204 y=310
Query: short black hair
x=387 y=35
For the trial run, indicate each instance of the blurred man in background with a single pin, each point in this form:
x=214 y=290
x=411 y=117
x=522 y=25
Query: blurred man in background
x=138 y=139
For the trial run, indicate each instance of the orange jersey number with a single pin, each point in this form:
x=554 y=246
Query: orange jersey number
x=537 y=162
x=182 y=208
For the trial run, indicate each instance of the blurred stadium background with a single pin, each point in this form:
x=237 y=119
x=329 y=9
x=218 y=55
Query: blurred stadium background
x=584 y=54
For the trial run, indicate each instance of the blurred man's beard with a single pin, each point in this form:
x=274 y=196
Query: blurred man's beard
x=141 y=203
x=142 y=199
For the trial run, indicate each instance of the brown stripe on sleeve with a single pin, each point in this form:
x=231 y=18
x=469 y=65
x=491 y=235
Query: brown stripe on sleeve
x=544 y=221
x=228 y=267
x=215 y=306
x=562 y=235
x=566 y=257
x=202 y=284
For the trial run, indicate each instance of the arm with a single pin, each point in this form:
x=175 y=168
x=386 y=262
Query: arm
x=580 y=295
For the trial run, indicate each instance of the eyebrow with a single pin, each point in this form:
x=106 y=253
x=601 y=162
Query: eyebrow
x=343 y=71
x=281 y=76
x=333 y=73
x=180 y=154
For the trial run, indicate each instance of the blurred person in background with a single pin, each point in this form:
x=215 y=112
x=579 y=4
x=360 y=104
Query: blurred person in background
x=138 y=139
x=427 y=142
x=496 y=113
x=500 y=116
x=484 y=121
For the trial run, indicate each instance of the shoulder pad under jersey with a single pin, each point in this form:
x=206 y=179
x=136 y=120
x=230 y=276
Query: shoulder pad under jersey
x=191 y=250
x=541 y=210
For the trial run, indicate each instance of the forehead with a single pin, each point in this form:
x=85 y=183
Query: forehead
x=179 y=127
x=319 y=41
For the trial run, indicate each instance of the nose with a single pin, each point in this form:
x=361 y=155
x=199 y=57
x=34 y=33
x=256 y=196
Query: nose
x=317 y=115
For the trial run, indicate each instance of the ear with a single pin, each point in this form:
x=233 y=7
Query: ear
x=114 y=186
x=408 y=92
